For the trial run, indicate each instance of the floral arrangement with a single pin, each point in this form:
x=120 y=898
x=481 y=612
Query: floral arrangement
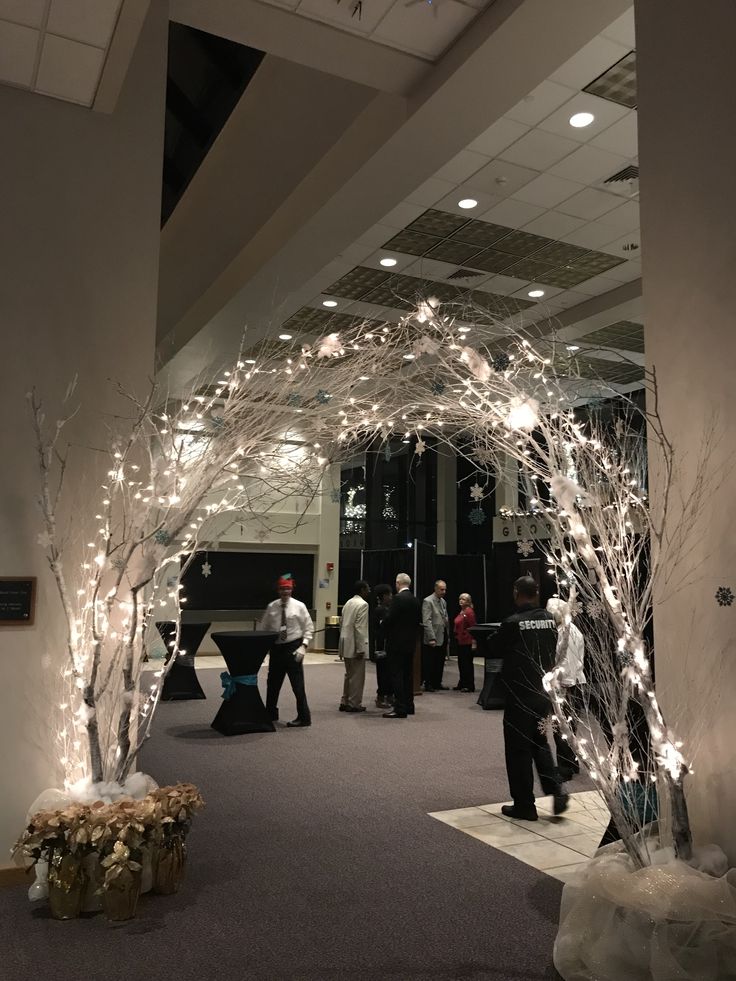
x=117 y=832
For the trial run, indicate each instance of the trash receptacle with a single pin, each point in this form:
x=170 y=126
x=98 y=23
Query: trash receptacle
x=332 y=635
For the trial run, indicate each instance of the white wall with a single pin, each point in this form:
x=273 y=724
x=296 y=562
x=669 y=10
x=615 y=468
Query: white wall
x=688 y=201
x=79 y=240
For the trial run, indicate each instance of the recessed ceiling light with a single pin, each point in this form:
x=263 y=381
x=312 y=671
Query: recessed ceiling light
x=573 y=347
x=285 y=337
x=388 y=261
x=329 y=303
x=467 y=203
x=535 y=294
x=581 y=119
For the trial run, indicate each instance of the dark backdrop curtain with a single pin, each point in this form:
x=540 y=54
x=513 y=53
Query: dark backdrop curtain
x=381 y=565
x=425 y=570
x=464 y=574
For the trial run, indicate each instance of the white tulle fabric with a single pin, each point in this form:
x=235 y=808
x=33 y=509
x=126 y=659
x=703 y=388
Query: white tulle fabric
x=667 y=922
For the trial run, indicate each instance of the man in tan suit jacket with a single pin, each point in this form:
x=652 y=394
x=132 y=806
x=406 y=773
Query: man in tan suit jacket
x=354 y=647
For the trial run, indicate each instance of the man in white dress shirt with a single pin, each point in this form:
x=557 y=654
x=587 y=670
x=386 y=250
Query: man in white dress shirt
x=354 y=647
x=291 y=620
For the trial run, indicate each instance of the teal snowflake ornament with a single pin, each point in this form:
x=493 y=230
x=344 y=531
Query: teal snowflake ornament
x=335 y=495
x=501 y=363
x=387 y=452
x=294 y=399
x=218 y=422
x=162 y=537
x=323 y=397
x=477 y=516
x=438 y=387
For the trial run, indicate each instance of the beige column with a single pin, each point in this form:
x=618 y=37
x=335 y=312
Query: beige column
x=79 y=242
x=688 y=201
x=328 y=553
x=446 y=501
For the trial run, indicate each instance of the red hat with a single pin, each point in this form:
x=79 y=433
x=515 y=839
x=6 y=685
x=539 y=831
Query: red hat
x=285 y=581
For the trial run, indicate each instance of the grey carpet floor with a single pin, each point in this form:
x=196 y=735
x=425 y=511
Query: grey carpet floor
x=315 y=859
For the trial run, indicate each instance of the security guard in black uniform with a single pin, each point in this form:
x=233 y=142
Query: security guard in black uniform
x=527 y=642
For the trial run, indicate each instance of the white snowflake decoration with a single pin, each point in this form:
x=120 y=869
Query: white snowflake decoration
x=596 y=609
x=477 y=493
x=206 y=569
x=420 y=447
x=525 y=548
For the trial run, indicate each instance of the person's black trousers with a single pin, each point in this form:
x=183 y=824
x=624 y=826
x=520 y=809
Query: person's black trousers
x=281 y=663
x=433 y=665
x=465 y=666
x=402 y=673
x=526 y=747
x=384 y=681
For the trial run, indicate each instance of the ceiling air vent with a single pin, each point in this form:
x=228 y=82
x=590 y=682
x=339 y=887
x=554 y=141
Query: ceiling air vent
x=630 y=173
x=465 y=274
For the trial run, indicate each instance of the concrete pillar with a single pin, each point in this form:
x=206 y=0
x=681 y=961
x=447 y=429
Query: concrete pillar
x=328 y=553
x=688 y=199
x=446 y=501
x=507 y=484
x=79 y=243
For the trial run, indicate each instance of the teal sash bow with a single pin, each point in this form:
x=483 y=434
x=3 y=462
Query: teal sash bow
x=230 y=681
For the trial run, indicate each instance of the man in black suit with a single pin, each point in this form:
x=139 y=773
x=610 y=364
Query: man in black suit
x=401 y=630
x=527 y=642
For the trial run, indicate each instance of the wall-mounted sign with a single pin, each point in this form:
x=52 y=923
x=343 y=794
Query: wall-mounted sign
x=526 y=528
x=17 y=601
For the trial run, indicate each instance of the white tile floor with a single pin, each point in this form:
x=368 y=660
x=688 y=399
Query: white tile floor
x=556 y=845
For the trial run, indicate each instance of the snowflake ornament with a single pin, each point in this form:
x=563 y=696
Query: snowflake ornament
x=501 y=363
x=206 y=569
x=387 y=452
x=477 y=516
x=596 y=609
x=335 y=495
x=438 y=388
x=420 y=447
x=218 y=422
x=162 y=537
x=477 y=493
x=724 y=596
x=323 y=397
x=294 y=399
x=525 y=548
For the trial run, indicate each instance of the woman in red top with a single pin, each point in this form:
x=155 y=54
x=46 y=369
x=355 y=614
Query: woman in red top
x=465 y=644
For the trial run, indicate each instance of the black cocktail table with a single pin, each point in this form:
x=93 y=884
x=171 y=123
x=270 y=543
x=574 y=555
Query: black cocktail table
x=493 y=694
x=181 y=681
x=242 y=708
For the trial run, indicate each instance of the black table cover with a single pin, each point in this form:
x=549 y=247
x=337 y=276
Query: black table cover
x=242 y=708
x=181 y=681
x=493 y=693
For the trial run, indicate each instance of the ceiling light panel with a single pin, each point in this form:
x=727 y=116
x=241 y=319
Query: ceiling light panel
x=480 y=233
x=625 y=335
x=452 y=251
x=522 y=243
x=618 y=83
x=440 y=223
x=412 y=242
x=358 y=282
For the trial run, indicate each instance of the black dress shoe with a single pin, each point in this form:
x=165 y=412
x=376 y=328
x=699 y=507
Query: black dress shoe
x=560 y=802
x=360 y=708
x=410 y=711
x=442 y=688
x=458 y=688
x=512 y=811
x=394 y=715
x=298 y=724
x=429 y=688
x=343 y=708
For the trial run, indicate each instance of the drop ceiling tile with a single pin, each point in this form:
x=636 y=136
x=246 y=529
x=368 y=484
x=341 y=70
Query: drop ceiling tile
x=411 y=242
x=17 y=53
x=497 y=137
x=491 y=260
x=531 y=269
x=625 y=218
x=502 y=179
x=631 y=269
x=549 y=292
x=27 y=12
x=450 y=203
x=597 y=285
x=408 y=27
x=402 y=215
x=376 y=235
x=539 y=150
x=622 y=30
x=342 y=14
x=589 y=164
x=480 y=233
x=594 y=235
x=560 y=253
x=590 y=204
x=521 y=243
x=547 y=190
x=462 y=166
x=434 y=221
x=505 y=285
x=452 y=250
x=425 y=268
x=553 y=224
x=543 y=100
x=618 y=84
x=570 y=298
x=606 y=114
x=623 y=246
x=622 y=137
x=89 y=21
x=430 y=192
x=69 y=70
x=591 y=61
x=513 y=213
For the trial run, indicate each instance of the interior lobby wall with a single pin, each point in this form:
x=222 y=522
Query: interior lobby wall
x=79 y=242
x=688 y=198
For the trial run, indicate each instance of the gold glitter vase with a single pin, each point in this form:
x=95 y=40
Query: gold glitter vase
x=169 y=864
x=66 y=884
x=120 y=897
